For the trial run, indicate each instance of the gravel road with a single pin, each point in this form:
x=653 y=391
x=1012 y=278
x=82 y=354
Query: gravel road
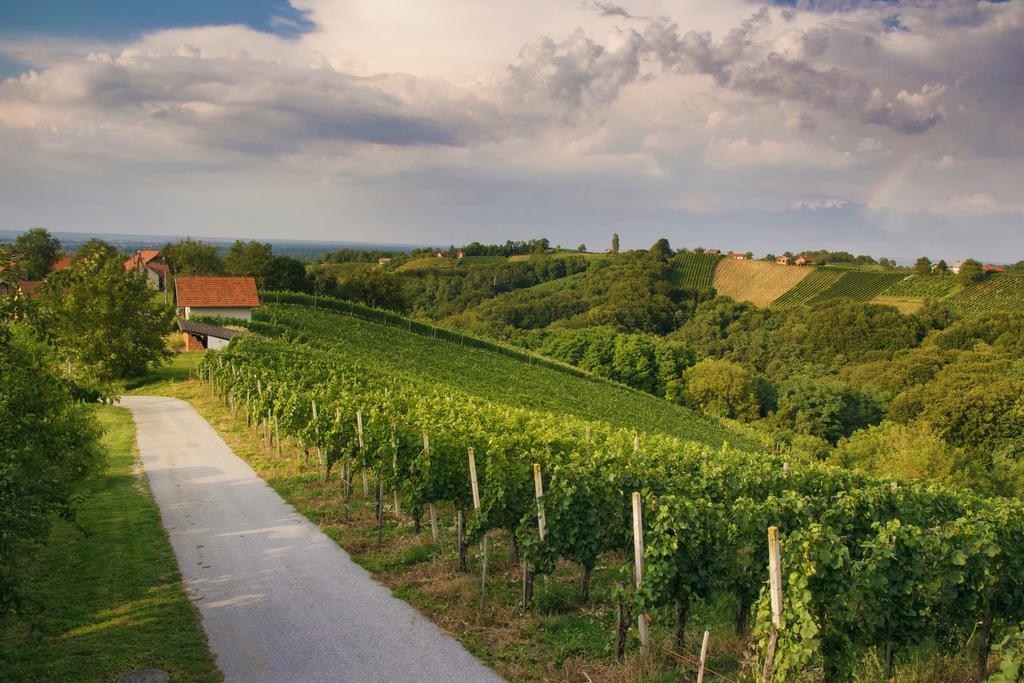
x=279 y=600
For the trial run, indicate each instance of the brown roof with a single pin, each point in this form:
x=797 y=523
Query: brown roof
x=61 y=265
x=209 y=291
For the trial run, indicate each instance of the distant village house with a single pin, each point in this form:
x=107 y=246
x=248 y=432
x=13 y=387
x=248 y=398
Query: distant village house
x=737 y=256
x=147 y=262
x=784 y=261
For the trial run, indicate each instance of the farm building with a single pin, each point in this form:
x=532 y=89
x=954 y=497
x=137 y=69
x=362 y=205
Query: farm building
x=784 y=261
x=713 y=252
x=954 y=267
x=229 y=297
x=383 y=260
x=989 y=268
x=62 y=264
x=26 y=287
x=803 y=261
x=200 y=336
x=147 y=261
x=737 y=255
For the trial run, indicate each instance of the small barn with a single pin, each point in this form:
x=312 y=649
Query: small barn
x=784 y=261
x=200 y=336
x=227 y=297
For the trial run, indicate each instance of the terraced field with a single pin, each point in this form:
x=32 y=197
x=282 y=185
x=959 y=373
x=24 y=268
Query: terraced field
x=690 y=269
x=816 y=281
x=758 y=282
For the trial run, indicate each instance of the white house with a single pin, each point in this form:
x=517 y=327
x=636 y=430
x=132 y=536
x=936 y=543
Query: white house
x=229 y=297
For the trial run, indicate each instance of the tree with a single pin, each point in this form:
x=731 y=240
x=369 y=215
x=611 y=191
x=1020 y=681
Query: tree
x=250 y=258
x=103 y=320
x=37 y=250
x=923 y=266
x=371 y=286
x=941 y=267
x=661 y=250
x=971 y=271
x=899 y=451
x=97 y=247
x=289 y=274
x=192 y=257
x=615 y=243
x=50 y=446
x=722 y=388
x=582 y=248
x=827 y=410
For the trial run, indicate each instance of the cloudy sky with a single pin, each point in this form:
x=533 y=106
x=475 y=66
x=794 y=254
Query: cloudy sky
x=891 y=128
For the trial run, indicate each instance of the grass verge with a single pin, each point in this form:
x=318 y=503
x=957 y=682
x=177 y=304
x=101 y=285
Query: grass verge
x=107 y=597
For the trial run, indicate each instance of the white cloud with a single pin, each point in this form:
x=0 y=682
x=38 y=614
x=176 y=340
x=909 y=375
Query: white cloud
x=739 y=152
x=560 y=106
x=977 y=204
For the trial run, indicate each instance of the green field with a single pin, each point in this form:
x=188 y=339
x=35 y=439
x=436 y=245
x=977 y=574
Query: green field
x=692 y=269
x=393 y=350
x=107 y=598
x=923 y=287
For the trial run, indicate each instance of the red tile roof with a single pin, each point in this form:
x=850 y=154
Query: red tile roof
x=61 y=265
x=209 y=291
x=142 y=258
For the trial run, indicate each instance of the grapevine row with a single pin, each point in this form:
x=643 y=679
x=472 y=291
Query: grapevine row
x=867 y=564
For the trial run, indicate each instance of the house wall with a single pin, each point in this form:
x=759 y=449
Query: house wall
x=192 y=343
x=240 y=313
x=216 y=343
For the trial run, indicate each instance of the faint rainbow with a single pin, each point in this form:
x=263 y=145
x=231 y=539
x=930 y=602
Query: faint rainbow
x=888 y=183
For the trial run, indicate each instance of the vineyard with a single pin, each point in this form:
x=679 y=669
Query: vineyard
x=693 y=269
x=997 y=292
x=927 y=287
x=866 y=568
x=826 y=283
x=756 y=281
x=399 y=346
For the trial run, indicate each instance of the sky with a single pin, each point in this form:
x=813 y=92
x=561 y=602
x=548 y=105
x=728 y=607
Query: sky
x=892 y=128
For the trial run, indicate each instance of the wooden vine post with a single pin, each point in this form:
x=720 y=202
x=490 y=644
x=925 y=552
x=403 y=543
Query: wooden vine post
x=362 y=455
x=638 y=568
x=636 y=442
x=483 y=542
x=703 y=657
x=431 y=506
x=319 y=452
x=277 y=434
x=394 y=469
x=775 y=587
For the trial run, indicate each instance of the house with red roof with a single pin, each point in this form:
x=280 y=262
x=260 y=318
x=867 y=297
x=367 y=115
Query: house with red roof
x=148 y=262
x=228 y=297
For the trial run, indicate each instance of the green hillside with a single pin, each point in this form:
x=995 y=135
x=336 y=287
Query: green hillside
x=491 y=375
x=693 y=269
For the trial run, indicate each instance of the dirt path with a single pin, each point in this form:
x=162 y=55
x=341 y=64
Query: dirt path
x=279 y=600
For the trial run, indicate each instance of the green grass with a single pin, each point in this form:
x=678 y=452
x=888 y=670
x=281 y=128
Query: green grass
x=808 y=289
x=393 y=350
x=107 y=598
